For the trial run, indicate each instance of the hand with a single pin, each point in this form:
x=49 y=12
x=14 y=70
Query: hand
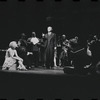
x=55 y=48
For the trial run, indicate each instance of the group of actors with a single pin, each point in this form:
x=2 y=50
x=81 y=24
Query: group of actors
x=26 y=53
x=51 y=52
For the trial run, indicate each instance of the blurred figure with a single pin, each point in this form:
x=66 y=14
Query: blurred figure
x=34 y=41
x=12 y=57
x=64 y=56
x=59 y=50
x=50 y=48
x=42 y=49
x=74 y=43
x=22 y=50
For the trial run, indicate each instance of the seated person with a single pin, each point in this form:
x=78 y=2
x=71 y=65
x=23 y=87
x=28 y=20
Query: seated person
x=12 y=57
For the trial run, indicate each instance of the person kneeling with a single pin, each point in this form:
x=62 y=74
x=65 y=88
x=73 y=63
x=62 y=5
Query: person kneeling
x=11 y=58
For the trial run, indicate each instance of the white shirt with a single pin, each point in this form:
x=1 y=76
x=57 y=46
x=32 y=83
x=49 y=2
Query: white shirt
x=34 y=40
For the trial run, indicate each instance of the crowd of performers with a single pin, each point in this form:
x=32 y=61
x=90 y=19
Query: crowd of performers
x=51 y=52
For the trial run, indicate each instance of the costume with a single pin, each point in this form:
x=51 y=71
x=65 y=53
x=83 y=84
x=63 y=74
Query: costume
x=35 y=50
x=9 y=61
x=22 y=52
x=49 y=51
x=42 y=51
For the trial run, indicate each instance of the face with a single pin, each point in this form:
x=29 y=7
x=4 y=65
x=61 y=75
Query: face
x=64 y=36
x=15 y=45
x=49 y=29
x=33 y=34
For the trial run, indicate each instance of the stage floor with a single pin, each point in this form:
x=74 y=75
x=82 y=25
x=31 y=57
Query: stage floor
x=39 y=70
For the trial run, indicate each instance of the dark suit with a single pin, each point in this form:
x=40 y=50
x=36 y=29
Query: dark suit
x=22 y=52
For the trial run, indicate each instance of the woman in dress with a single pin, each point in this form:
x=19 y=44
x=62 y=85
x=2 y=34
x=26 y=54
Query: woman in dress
x=12 y=57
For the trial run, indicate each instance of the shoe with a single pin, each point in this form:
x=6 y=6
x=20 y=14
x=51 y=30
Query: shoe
x=55 y=67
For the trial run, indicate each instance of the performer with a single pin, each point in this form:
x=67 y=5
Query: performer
x=34 y=41
x=50 y=48
x=22 y=50
x=42 y=49
x=59 y=50
x=74 y=43
x=12 y=57
x=64 y=56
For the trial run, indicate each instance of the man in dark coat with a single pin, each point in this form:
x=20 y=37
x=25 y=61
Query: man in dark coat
x=22 y=50
x=50 y=48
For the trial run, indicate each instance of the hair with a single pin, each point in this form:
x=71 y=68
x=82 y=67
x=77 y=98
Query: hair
x=33 y=34
x=13 y=44
x=23 y=34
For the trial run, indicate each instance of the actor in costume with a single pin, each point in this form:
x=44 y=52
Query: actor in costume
x=34 y=42
x=22 y=50
x=42 y=49
x=12 y=57
x=50 y=48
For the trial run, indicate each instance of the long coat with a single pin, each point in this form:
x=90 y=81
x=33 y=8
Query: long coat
x=49 y=49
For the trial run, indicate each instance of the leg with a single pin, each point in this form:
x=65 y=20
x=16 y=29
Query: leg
x=36 y=58
x=21 y=66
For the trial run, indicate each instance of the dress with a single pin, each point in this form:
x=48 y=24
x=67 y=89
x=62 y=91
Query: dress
x=9 y=61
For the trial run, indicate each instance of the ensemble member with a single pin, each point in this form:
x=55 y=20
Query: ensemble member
x=50 y=47
x=64 y=53
x=34 y=42
x=42 y=49
x=22 y=50
x=59 y=49
x=12 y=58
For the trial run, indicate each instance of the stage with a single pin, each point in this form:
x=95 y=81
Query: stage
x=47 y=84
x=39 y=70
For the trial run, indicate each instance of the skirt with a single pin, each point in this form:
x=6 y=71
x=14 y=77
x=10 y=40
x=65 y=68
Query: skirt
x=9 y=62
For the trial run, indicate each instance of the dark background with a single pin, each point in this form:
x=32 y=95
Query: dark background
x=66 y=17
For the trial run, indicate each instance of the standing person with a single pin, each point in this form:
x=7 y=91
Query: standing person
x=34 y=41
x=42 y=49
x=12 y=57
x=22 y=50
x=59 y=49
x=64 y=56
x=50 y=47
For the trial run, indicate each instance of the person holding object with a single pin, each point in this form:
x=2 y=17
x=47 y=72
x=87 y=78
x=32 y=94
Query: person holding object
x=50 y=48
x=12 y=58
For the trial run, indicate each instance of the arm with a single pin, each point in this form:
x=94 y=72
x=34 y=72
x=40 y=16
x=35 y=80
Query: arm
x=55 y=43
x=17 y=57
x=15 y=53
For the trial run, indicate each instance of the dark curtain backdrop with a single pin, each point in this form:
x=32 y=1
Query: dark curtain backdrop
x=66 y=17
